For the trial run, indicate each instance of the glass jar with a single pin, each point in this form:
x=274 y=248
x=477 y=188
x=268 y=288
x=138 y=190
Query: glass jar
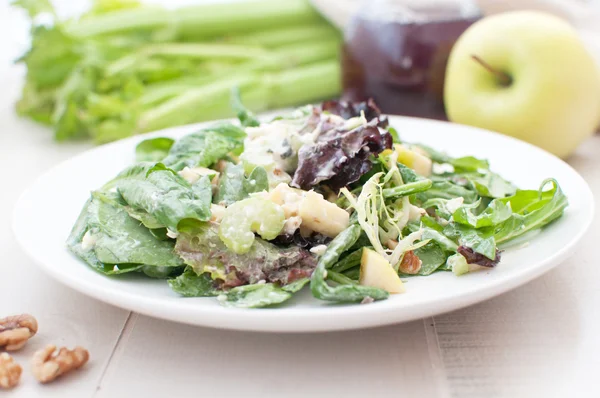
x=395 y=51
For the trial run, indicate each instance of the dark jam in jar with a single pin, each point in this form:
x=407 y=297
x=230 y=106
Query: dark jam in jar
x=397 y=54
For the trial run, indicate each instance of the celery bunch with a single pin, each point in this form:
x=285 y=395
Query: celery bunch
x=124 y=68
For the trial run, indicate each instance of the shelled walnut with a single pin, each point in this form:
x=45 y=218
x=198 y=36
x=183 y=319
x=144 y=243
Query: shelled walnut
x=10 y=371
x=47 y=366
x=16 y=330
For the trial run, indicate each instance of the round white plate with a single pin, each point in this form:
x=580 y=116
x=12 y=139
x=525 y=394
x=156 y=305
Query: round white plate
x=46 y=212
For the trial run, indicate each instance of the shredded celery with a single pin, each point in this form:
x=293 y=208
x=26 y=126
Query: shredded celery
x=383 y=221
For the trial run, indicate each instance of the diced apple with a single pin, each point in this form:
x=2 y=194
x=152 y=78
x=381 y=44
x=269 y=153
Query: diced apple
x=376 y=271
x=322 y=216
x=217 y=212
x=421 y=164
x=288 y=198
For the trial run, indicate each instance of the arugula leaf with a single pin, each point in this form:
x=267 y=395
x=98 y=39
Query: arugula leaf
x=496 y=213
x=532 y=212
x=190 y=284
x=168 y=197
x=461 y=164
x=112 y=242
x=469 y=163
x=234 y=186
x=480 y=240
x=491 y=185
x=205 y=147
x=153 y=150
x=447 y=190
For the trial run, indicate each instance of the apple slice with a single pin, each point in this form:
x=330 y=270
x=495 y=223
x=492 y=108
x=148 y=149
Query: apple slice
x=376 y=271
x=322 y=216
x=420 y=163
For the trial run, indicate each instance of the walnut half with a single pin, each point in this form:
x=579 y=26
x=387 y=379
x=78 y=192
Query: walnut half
x=10 y=371
x=411 y=263
x=16 y=330
x=47 y=366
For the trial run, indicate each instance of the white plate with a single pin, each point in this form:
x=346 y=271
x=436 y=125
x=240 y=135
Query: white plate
x=46 y=212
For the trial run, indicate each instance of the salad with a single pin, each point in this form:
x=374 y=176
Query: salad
x=327 y=197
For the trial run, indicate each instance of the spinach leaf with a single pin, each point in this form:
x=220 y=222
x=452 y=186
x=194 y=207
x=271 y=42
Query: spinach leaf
x=296 y=286
x=136 y=171
x=112 y=242
x=532 y=211
x=148 y=220
x=234 y=186
x=167 y=197
x=190 y=284
x=260 y=294
x=257 y=181
x=254 y=296
x=161 y=272
x=205 y=147
x=153 y=149
x=496 y=213
x=432 y=257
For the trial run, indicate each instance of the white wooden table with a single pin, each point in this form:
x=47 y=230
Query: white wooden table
x=542 y=339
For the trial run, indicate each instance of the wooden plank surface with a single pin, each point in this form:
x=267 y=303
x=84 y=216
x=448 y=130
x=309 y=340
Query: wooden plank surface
x=187 y=361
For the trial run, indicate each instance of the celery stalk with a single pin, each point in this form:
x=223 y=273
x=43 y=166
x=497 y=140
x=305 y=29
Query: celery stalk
x=201 y=51
x=260 y=92
x=206 y=20
x=285 y=36
x=290 y=56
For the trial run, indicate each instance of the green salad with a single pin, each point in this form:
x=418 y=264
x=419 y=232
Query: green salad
x=327 y=197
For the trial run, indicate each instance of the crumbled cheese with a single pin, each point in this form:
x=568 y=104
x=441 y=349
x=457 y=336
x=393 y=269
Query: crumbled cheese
x=319 y=250
x=291 y=225
x=88 y=241
x=192 y=175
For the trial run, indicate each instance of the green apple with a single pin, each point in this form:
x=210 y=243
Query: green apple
x=525 y=74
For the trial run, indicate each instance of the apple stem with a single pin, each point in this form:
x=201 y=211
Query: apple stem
x=504 y=78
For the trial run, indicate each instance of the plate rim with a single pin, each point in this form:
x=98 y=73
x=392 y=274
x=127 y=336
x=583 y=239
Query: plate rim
x=245 y=319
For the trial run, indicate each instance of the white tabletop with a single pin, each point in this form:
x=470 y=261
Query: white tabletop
x=541 y=339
